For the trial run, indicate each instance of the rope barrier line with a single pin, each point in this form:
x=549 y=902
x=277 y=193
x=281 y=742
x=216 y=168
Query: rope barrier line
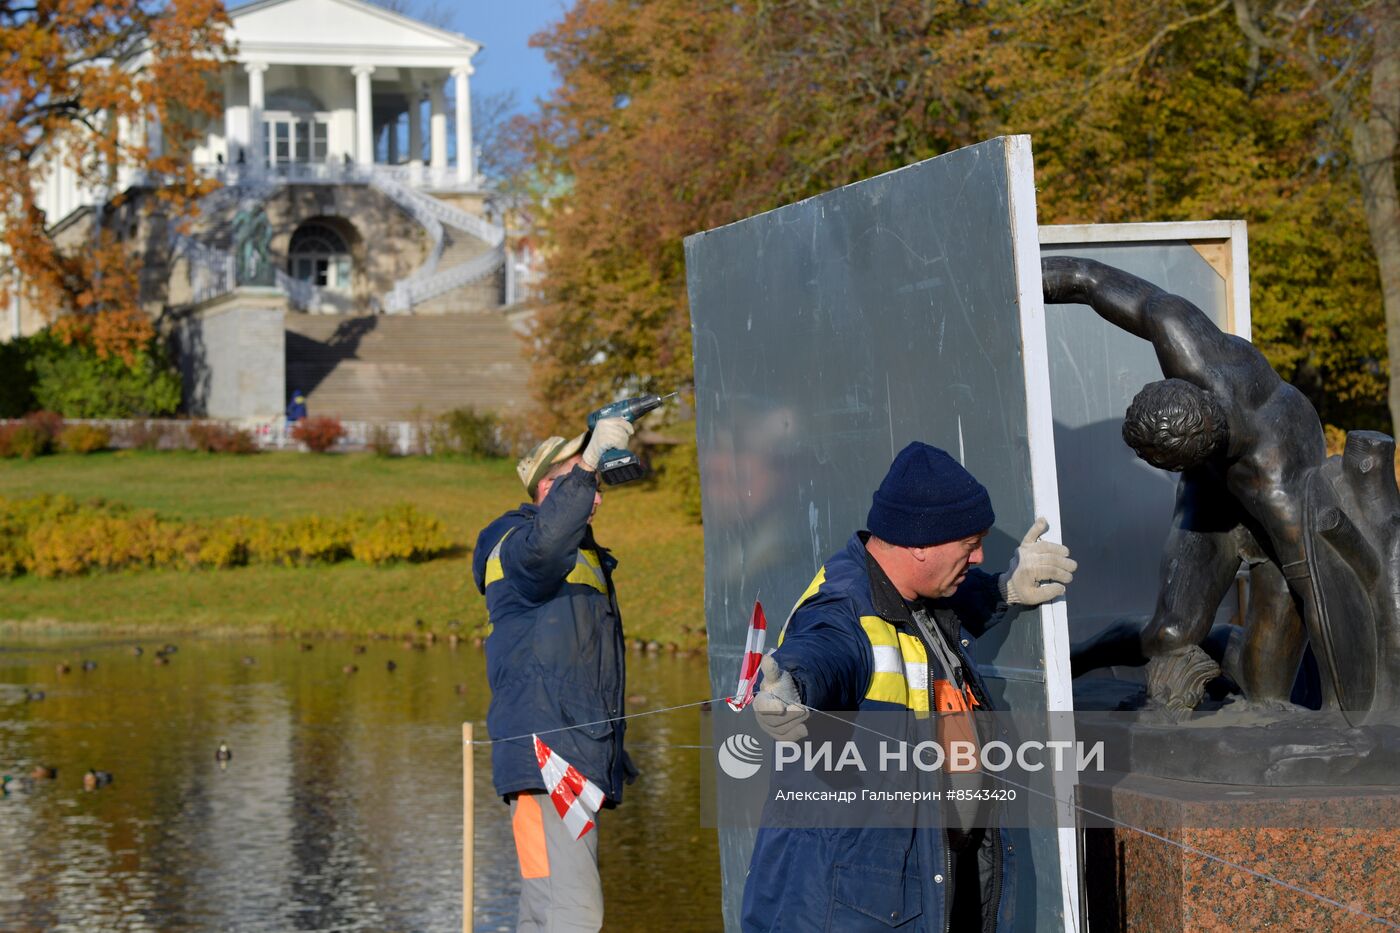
x=597 y=722
x=1187 y=847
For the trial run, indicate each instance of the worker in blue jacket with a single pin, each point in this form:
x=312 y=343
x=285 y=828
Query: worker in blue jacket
x=888 y=624
x=554 y=658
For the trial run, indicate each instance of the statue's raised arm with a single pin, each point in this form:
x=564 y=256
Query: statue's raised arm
x=1188 y=344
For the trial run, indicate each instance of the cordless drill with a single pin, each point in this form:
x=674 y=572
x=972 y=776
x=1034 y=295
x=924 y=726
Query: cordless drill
x=622 y=466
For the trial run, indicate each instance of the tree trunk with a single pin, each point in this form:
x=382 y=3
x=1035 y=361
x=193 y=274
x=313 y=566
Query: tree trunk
x=1373 y=145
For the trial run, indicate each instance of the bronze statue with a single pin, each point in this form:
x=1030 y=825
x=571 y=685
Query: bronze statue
x=1253 y=488
x=252 y=234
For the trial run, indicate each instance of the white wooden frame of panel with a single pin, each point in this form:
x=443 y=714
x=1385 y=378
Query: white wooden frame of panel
x=1040 y=430
x=1223 y=244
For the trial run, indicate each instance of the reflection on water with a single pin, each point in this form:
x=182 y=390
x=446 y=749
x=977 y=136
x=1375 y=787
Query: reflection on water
x=341 y=807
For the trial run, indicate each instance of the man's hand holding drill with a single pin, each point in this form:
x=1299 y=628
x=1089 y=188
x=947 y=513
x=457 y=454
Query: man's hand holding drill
x=608 y=434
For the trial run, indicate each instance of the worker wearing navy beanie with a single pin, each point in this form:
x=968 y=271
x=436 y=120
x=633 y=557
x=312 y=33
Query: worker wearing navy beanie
x=928 y=498
x=888 y=625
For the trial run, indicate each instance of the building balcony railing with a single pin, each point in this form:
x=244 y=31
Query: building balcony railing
x=337 y=172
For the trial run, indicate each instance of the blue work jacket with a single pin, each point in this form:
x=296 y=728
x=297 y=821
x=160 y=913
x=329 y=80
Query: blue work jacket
x=849 y=647
x=555 y=653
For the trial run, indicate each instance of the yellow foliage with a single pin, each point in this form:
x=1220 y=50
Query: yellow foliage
x=54 y=537
x=1336 y=439
x=84 y=438
x=401 y=533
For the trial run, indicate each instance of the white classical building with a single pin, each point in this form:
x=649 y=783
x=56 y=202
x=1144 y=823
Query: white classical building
x=361 y=85
x=334 y=93
x=345 y=144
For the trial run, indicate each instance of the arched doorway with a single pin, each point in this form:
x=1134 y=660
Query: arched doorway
x=320 y=254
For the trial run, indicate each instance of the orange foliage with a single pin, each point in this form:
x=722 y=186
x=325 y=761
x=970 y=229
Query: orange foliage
x=675 y=116
x=72 y=72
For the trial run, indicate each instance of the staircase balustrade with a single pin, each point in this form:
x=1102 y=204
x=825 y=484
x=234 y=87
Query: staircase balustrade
x=212 y=269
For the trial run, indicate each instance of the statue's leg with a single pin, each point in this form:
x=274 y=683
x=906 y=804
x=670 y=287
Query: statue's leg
x=1271 y=648
x=1199 y=561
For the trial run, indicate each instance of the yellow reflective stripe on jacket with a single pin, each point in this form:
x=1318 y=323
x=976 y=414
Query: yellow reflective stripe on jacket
x=901 y=665
x=587 y=570
x=494 y=569
x=807 y=594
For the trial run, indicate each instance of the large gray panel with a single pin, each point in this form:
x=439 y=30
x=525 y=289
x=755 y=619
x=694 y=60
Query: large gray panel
x=1115 y=508
x=828 y=334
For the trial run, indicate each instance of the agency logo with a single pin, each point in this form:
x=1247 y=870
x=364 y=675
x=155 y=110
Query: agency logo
x=740 y=756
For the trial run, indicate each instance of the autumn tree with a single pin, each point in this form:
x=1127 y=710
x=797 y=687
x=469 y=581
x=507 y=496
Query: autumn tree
x=1164 y=111
x=673 y=117
x=84 y=82
x=1349 y=51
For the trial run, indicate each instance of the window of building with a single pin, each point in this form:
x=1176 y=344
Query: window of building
x=294 y=138
x=318 y=254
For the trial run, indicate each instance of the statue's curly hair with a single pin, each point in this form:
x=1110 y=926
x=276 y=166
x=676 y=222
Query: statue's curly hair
x=1174 y=425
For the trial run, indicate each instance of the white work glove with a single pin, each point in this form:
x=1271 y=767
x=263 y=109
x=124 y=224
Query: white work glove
x=608 y=434
x=1037 y=561
x=779 y=711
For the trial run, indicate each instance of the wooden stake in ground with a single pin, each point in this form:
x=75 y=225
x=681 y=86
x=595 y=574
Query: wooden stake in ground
x=468 y=826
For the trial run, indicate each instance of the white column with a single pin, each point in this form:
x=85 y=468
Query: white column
x=56 y=179
x=66 y=188
x=235 y=122
x=466 y=160
x=415 y=128
x=257 y=146
x=437 y=124
x=364 y=115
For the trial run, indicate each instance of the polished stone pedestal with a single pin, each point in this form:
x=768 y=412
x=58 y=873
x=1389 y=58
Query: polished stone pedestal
x=1338 y=843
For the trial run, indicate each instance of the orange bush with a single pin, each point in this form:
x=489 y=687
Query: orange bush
x=319 y=434
x=84 y=438
x=212 y=437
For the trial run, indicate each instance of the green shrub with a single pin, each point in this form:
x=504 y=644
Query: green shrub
x=382 y=440
x=469 y=432
x=74 y=380
x=84 y=438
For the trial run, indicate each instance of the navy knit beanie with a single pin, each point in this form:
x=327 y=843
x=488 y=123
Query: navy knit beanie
x=927 y=498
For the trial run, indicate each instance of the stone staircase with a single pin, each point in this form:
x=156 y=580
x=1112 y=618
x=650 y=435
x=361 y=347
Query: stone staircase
x=482 y=295
x=384 y=367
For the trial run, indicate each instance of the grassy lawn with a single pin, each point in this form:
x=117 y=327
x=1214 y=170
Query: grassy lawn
x=660 y=580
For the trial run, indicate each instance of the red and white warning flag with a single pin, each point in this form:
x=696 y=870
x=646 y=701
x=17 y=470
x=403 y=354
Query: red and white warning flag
x=753 y=656
x=575 y=797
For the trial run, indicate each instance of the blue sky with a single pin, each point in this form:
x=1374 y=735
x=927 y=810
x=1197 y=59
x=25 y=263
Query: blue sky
x=505 y=27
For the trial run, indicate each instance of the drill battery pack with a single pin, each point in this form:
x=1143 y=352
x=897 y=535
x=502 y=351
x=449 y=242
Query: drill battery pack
x=620 y=466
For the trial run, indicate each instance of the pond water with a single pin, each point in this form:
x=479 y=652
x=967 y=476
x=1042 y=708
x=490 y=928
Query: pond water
x=341 y=807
